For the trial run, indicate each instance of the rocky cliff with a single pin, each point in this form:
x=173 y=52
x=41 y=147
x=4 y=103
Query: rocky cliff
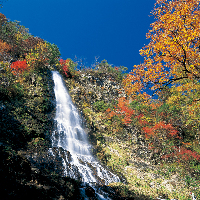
x=27 y=112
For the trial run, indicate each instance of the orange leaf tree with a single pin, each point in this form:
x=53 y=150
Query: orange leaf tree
x=173 y=52
x=4 y=49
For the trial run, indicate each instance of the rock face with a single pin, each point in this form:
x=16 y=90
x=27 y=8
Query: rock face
x=92 y=87
x=28 y=170
x=29 y=162
x=89 y=191
x=93 y=92
x=43 y=168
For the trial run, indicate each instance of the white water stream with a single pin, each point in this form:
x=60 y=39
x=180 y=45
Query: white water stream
x=78 y=161
x=71 y=137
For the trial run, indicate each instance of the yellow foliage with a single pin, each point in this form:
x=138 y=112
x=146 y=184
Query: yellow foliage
x=18 y=36
x=173 y=51
x=31 y=58
x=41 y=47
x=186 y=98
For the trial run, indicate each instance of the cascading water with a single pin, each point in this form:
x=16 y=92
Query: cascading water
x=78 y=161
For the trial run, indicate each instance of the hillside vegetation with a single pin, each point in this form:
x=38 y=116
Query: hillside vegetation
x=151 y=142
x=27 y=107
x=162 y=129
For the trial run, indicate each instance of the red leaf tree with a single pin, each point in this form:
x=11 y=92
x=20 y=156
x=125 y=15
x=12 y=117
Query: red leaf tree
x=19 y=67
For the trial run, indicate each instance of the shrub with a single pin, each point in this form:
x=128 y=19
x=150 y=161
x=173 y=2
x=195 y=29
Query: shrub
x=100 y=106
x=19 y=67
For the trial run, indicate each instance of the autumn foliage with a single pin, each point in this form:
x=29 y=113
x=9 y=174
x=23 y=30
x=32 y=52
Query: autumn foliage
x=65 y=64
x=171 y=69
x=4 y=47
x=173 y=51
x=172 y=118
x=22 y=55
x=182 y=154
x=125 y=110
x=168 y=129
x=19 y=67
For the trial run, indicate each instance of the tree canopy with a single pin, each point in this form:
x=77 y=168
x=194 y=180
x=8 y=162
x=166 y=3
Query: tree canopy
x=173 y=52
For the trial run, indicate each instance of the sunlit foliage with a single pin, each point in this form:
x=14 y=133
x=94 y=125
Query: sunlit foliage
x=4 y=49
x=18 y=67
x=171 y=69
x=65 y=66
x=173 y=51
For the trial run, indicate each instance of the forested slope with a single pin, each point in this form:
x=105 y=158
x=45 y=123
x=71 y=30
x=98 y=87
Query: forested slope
x=151 y=143
x=27 y=109
x=167 y=123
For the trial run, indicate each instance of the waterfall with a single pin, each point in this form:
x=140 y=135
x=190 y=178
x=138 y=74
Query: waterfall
x=69 y=135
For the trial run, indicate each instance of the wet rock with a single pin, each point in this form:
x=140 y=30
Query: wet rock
x=69 y=157
x=108 y=189
x=89 y=191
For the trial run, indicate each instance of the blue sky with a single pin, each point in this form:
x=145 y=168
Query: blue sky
x=114 y=30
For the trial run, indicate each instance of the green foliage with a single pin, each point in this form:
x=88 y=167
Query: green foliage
x=14 y=34
x=72 y=67
x=53 y=53
x=22 y=46
x=116 y=72
x=9 y=29
x=100 y=106
x=140 y=107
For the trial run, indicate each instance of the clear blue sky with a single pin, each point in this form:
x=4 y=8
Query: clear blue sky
x=114 y=30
